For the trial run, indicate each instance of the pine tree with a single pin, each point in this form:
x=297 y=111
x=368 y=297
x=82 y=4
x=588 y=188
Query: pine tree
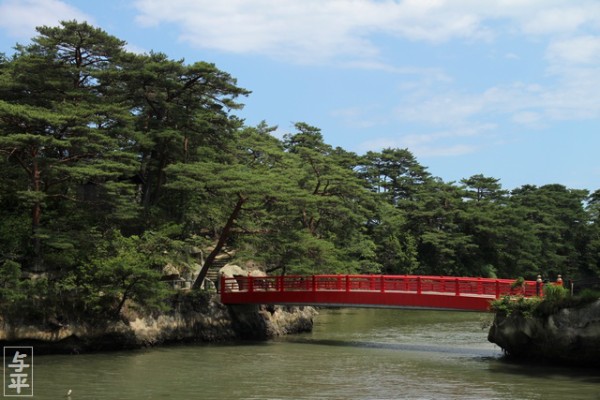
x=59 y=124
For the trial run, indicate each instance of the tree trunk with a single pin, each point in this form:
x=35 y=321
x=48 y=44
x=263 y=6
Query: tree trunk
x=222 y=239
x=36 y=215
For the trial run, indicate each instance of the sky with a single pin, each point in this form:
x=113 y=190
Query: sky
x=505 y=88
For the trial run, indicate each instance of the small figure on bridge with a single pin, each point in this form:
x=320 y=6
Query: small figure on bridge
x=538 y=285
x=559 y=281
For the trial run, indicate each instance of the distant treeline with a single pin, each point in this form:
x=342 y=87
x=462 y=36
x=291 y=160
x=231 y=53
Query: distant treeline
x=114 y=164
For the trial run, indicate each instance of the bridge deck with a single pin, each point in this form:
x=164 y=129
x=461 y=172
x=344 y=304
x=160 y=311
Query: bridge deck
x=385 y=291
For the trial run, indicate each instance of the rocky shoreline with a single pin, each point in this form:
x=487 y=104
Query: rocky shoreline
x=568 y=336
x=212 y=323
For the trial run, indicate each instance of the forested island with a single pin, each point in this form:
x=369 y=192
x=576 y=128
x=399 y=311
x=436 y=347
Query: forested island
x=119 y=169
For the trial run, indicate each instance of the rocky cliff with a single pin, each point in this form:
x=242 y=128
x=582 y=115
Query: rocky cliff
x=569 y=335
x=212 y=322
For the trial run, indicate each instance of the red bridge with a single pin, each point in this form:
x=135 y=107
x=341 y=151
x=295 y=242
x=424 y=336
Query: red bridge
x=383 y=291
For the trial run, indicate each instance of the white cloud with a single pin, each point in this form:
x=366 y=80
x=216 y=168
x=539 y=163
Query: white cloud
x=426 y=74
x=449 y=143
x=347 y=33
x=448 y=151
x=575 y=96
x=415 y=140
x=377 y=144
x=442 y=110
x=311 y=31
x=136 y=49
x=359 y=117
x=304 y=31
x=415 y=20
x=575 y=50
x=559 y=20
x=527 y=118
x=464 y=117
x=19 y=18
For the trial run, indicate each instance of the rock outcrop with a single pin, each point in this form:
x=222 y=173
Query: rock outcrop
x=212 y=322
x=570 y=335
x=253 y=322
x=195 y=316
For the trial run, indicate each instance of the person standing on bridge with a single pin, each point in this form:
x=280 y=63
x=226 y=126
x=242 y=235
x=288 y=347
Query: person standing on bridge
x=559 y=280
x=538 y=285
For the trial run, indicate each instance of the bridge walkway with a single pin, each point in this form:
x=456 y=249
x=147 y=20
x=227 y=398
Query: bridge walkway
x=383 y=291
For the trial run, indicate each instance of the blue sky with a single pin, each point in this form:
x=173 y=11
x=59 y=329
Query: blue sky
x=505 y=88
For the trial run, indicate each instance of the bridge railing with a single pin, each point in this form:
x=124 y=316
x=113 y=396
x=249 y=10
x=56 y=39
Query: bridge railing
x=458 y=286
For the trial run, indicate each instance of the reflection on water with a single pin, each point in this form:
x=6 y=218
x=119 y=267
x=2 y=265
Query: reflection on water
x=351 y=354
x=400 y=347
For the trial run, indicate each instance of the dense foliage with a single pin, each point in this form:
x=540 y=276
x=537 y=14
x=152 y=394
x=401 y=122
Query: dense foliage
x=114 y=165
x=555 y=298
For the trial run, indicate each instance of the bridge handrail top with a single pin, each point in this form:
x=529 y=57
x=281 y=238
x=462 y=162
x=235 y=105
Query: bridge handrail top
x=379 y=276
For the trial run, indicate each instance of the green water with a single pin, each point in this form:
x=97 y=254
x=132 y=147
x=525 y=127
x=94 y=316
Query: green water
x=351 y=354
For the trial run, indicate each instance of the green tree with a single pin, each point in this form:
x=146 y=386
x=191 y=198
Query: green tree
x=395 y=173
x=234 y=192
x=591 y=249
x=559 y=221
x=337 y=206
x=517 y=247
x=482 y=221
x=481 y=188
x=122 y=269
x=11 y=288
x=436 y=219
x=396 y=247
x=58 y=124
x=179 y=109
x=398 y=182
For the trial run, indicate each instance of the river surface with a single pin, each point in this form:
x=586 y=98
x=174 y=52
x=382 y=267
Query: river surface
x=351 y=354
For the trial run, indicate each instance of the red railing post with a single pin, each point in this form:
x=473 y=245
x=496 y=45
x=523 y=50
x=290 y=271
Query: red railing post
x=418 y=285
x=314 y=283
x=250 y=284
x=382 y=284
x=280 y=283
x=347 y=283
x=497 y=289
x=457 y=288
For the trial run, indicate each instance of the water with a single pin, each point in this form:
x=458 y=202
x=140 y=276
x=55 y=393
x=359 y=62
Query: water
x=351 y=354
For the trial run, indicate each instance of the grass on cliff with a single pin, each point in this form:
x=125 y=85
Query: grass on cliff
x=555 y=299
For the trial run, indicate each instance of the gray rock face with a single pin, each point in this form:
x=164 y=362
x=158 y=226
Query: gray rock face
x=267 y=322
x=571 y=335
x=214 y=322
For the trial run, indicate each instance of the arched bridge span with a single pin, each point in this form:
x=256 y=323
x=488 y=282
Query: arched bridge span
x=383 y=291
